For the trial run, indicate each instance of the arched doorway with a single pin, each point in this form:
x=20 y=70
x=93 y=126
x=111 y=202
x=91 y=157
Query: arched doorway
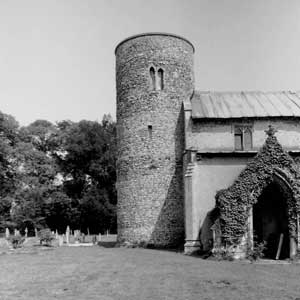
x=270 y=219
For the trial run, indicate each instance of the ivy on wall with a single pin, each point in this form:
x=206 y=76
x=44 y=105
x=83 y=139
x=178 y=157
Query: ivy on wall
x=235 y=202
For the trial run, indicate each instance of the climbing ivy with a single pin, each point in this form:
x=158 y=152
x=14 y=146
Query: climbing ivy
x=235 y=202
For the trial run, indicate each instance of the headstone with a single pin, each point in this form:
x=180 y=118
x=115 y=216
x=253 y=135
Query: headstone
x=60 y=240
x=56 y=234
x=68 y=235
x=7 y=233
x=26 y=232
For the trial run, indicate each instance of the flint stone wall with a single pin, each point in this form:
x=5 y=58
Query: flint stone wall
x=149 y=165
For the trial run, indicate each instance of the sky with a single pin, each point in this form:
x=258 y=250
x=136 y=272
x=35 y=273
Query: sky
x=57 y=56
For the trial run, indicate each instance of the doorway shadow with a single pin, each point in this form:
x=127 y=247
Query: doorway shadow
x=270 y=221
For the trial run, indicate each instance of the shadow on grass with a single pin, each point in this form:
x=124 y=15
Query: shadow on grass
x=107 y=244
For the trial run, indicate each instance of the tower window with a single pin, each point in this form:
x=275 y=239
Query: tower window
x=242 y=138
x=152 y=76
x=160 y=75
x=156 y=79
x=150 y=131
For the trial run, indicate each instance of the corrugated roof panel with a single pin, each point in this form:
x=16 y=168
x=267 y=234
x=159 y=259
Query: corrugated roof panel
x=211 y=109
x=286 y=104
x=257 y=108
x=223 y=107
x=294 y=102
x=268 y=104
x=276 y=104
x=245 y=104
x=238 y=104
x=202 y=108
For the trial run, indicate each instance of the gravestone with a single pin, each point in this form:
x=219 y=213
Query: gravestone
x=60 y=240
x=7 y=233
x=68 y=235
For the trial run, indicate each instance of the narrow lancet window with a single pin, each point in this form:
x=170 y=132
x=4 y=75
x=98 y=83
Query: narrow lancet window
x=160 y=75
x=152 y=76
x=150 y=131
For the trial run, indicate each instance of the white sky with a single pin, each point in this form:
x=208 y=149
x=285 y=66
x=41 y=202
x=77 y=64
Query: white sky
x=57 y=56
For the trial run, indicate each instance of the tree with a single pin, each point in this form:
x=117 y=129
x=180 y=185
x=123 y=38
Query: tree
x=57 y=175
x=41 y=133
x=87 y=160
x=8 y=139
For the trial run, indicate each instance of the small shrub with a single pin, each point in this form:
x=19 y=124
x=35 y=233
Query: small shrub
x=223 y=253
x=256 y=251
x=46 y=237
x=16 y=241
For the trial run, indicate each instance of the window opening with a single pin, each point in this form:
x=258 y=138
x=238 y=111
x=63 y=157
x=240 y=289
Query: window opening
x=242 y=138
x=152 y=76
x=238 y=139
x=160 y=74
x=150 y=131
x=247 y=139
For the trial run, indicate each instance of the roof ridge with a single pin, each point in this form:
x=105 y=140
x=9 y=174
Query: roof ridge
x=247 y=92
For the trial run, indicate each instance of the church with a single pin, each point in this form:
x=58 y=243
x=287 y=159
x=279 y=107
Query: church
x=196 y=167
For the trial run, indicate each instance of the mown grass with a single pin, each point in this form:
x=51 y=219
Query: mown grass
x=136 y=274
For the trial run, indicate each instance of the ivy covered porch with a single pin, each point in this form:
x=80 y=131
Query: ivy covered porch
x=262 y=205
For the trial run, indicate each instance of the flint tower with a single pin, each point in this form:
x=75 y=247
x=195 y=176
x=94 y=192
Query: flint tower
x=154 y=75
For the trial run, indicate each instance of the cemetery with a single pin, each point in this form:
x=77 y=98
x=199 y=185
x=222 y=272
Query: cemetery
x=45 y=237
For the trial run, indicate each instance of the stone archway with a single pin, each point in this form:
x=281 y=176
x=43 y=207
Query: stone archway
x=270 y=221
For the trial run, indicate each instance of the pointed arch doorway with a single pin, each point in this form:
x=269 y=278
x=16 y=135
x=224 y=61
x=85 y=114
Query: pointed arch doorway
x=271 y=220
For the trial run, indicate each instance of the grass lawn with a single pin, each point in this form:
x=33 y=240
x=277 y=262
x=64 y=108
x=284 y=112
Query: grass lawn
x=137 y=274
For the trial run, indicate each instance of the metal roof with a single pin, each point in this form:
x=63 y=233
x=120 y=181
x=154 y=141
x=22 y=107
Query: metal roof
x=245 y=104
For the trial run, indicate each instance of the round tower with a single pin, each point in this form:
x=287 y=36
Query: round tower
x=154 y=75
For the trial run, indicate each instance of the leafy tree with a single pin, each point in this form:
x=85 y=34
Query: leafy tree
x=57 y=175
x=8 y=138
x=60 y=211
x=87 y=160
x=35 y=175
x=41 y=133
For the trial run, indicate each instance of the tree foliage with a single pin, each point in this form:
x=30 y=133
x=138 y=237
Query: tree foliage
x=54 y=175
